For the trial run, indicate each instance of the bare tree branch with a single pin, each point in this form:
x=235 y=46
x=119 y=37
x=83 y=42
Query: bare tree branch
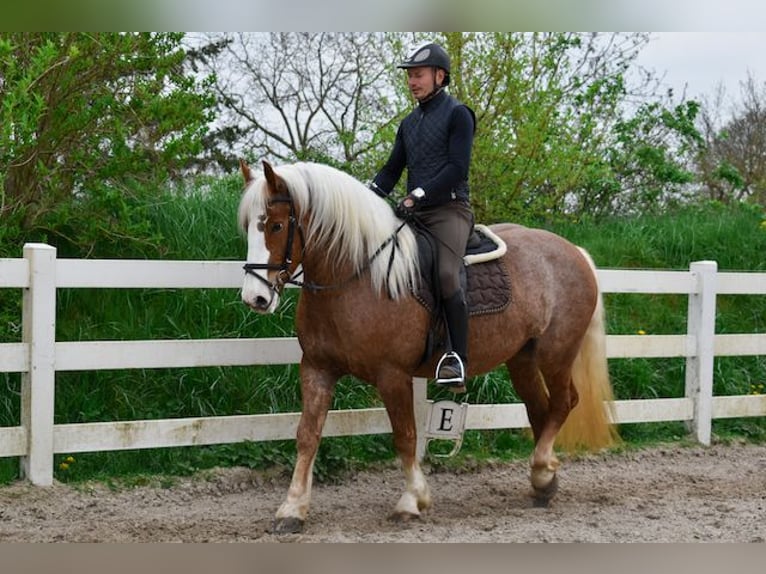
x=303 y=95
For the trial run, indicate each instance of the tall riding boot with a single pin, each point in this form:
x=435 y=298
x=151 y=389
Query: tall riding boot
x=451 y=370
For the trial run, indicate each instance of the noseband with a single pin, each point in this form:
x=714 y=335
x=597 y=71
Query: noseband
x=283 y=268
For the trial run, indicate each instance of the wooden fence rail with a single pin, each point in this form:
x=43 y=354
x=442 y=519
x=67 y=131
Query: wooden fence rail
x=39 y=356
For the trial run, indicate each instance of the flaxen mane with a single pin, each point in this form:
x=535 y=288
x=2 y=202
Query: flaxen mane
x=347 y=221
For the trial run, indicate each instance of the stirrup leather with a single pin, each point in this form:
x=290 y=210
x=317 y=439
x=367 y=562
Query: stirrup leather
x=449 y=381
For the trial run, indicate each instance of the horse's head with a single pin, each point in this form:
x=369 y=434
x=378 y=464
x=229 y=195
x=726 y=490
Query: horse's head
x=328 y=223
x=275 y=239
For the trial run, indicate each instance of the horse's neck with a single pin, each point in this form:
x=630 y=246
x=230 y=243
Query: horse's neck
x=321 y=268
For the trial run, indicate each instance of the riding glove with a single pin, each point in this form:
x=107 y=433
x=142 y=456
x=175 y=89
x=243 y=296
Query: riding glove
x=405 y=209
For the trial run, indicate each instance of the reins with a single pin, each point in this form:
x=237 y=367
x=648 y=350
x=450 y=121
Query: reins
x=317 y=287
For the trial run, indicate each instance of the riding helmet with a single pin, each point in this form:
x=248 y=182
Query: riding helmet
x=429 y=54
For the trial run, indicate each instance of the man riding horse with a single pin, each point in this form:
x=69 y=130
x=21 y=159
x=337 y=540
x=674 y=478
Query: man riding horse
x=434 y=143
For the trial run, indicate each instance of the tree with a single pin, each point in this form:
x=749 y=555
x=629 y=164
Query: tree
x=560 y=129
x=559 y=132
x=732 y=166
x=85 y=121
x=305 y=96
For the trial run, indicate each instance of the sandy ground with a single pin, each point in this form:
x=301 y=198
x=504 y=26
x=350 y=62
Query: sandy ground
x=670 y=494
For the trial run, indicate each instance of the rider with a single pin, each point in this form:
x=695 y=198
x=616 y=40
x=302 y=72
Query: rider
x=434 y=143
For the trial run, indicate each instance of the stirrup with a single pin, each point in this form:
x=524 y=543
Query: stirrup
x=457 y=381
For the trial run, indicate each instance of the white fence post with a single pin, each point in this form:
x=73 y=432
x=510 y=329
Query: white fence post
x=38 y=383
x=699 y=366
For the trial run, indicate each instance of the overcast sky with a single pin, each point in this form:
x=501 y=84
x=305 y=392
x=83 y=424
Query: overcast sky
x=701 y=60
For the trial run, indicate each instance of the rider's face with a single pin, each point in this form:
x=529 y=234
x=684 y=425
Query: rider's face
x=421 y=80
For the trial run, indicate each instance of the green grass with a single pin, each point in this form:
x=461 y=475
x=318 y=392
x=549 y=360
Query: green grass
x=734 y=236
x=200 y=224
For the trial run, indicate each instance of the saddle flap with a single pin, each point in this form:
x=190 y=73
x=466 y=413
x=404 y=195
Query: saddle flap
x=487 y=286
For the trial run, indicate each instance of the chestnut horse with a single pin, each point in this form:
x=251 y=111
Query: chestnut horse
x=318 y=227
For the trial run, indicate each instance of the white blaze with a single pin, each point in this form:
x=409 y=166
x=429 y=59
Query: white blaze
x=256 y=293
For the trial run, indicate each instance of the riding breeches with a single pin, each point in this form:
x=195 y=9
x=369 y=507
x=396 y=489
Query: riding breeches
x=451 y=225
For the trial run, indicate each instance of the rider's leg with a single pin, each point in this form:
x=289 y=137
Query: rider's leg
x=452 y=224
x=452 y=368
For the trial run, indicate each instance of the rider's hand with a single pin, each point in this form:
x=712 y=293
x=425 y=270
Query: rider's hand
x=406 y=207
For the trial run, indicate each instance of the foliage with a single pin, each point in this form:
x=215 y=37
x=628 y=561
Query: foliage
x=556 y=135
x=559 y=130
x=732 y=235
x=646 y=173
x=732 y=165
x=297 y=95
x=86 y=121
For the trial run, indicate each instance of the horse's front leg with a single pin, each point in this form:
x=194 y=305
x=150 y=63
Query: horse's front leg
x=317 y=387
x=395 y=389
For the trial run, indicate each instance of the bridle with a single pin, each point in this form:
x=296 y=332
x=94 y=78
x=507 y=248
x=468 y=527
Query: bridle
x=284 y=277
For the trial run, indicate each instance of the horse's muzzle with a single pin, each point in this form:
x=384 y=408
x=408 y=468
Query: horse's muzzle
x=261 y=300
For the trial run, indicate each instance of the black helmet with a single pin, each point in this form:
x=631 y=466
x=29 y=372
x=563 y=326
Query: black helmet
x=429 y=54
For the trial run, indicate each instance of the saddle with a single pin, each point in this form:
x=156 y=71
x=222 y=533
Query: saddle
x=484 y=278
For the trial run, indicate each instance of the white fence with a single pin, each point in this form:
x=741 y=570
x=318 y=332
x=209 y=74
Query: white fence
x=39 y=356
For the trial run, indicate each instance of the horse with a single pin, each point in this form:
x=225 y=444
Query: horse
x=316 y=226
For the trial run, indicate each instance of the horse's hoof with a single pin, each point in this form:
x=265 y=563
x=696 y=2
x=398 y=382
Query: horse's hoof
x=543 y=496
x=403 y=517
x=287 y=525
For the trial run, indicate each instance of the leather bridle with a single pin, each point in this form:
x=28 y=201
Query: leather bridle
x=283 y=276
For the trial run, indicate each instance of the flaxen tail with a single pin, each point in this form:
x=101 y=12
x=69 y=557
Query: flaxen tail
x=589 y=425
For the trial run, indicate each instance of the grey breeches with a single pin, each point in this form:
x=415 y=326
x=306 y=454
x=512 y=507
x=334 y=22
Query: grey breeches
x=451 y=224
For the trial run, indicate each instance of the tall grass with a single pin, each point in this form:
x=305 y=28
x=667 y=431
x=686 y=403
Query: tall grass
x=735 y=237
x=200 y=224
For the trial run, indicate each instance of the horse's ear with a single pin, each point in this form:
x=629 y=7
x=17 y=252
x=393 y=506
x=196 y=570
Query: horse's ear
x=247 y=173
x=268 y=172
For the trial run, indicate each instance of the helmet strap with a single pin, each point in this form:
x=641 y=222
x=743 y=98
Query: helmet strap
x=433 y=94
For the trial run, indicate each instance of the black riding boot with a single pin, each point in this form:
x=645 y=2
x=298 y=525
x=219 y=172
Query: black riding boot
x=451 y=370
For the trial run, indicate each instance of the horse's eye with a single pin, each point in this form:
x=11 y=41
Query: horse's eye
x=277 y=227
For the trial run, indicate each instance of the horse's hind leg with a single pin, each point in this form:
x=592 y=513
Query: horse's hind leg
x=562 y=399
x=526 y=379
x=530 y=386
x=395 y=389
x=316 y=388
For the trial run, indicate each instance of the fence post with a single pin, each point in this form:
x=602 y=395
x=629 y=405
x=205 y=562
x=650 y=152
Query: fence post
x=37 y=383
x=421 y=405
x=699 y=366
